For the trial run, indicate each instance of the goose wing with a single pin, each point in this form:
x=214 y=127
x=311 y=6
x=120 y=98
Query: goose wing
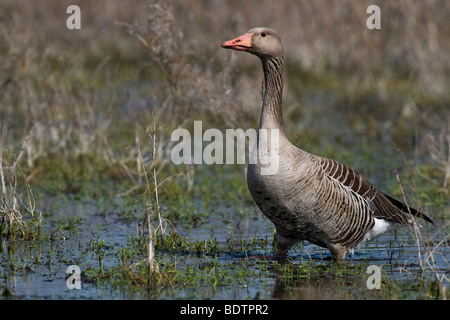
x=385 y=207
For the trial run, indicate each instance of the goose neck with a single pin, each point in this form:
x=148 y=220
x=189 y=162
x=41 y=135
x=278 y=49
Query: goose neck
x=271 y=114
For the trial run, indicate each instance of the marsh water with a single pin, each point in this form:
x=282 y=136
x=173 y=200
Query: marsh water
x=92 y=237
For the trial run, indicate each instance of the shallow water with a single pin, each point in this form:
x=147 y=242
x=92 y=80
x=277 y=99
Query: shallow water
x=38 y=270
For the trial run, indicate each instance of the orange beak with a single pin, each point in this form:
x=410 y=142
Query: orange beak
x=242 y=43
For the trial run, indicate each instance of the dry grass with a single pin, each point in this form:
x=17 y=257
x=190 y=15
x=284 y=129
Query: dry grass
x=438 y=146
x=91 y=93
x=430 y=248
x=46 y=89
x=18 y=214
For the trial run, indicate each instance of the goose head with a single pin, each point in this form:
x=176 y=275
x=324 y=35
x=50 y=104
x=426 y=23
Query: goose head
x=262 y=42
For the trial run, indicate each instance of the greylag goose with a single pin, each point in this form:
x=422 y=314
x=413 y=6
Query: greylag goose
x=308 y=197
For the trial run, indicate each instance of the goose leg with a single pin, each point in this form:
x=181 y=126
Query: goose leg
x=279 y=255
x=338 y=251
x=283 y=246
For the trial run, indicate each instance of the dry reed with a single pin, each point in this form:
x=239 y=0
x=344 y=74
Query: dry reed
x=16 y=203
x=427 y=255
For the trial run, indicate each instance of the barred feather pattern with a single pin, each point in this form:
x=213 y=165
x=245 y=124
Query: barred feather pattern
x=363 y=203
x=384 y=206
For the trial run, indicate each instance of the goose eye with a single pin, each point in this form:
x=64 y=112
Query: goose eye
x=263 y=34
